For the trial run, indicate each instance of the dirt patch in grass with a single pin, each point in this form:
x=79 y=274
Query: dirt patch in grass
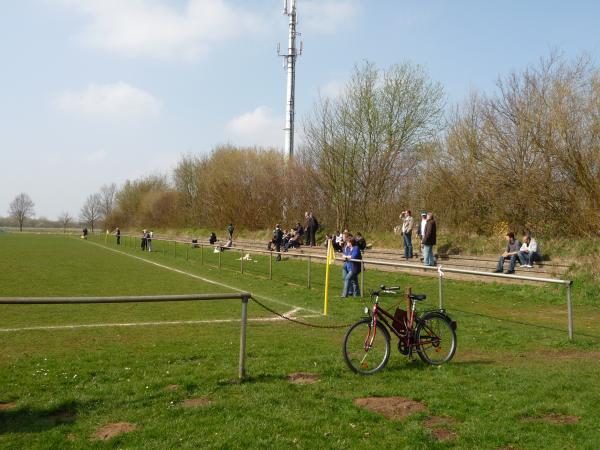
x=396 y=408
x=113 y=429
x=303 y=378
x=172 y=387
x=555 y=418
x=7 y=406
x=443 y=434
x=196 y=402
x=63 y=416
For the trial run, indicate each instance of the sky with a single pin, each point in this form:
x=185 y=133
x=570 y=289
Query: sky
x=100 y=91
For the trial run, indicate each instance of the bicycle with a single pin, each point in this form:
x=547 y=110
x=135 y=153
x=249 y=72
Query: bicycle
x=366 y=345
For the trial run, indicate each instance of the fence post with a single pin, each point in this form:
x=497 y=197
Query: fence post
x=220 y=251
x=242 y=261
x=570 y=310
x=175 y=246
x=201 y=254
x=362 y=279
x=308 y=275
x=271 y=265
x=187 y=254
x=242 y=368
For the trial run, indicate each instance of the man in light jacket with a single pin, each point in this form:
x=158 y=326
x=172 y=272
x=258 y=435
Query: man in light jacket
x=407 y=229
x=529 y=252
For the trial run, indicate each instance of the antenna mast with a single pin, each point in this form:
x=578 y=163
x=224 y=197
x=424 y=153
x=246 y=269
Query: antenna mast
x=289 y=63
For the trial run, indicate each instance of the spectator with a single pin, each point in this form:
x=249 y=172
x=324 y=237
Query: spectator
x=149 y=240
x=351 y=269
x=421 y=229
x=338 y=241
x=277 y=241
x=529 y=252
x=300 y=230
x=118 y=235
x=512 y=250
x=407 y=229
x=311 y=229
x=144 y=240
x=212 y=239
x=429 y=240
x=230 y=231
x=84 y=233
x=361 y=242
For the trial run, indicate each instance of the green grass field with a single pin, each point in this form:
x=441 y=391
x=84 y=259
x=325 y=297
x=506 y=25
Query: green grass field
x=513 y=362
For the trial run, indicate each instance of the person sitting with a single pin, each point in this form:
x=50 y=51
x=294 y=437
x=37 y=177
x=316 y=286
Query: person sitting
x=337 y=241
x=361 y=242
x=512 y=250
x=299 y=230
x=212 y=239
x=529 y=252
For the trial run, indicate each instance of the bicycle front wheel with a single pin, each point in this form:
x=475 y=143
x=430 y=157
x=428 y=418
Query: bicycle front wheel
x=435 y=339
x=366 y=349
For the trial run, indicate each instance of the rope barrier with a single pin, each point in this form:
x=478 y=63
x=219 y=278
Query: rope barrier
x=299 y=322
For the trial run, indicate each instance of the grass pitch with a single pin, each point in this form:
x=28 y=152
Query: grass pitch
x=513 y=371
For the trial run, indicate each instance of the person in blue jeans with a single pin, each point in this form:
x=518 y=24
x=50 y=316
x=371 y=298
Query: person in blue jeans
x=351 y=269
x=511 y=252
x=407 y=228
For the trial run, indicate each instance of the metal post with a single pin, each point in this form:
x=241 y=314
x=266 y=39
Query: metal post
x=242 y=369
x=220 y=251
x=242 y=261
x=308 y=274
x=570 y=310
x=271 y=265
x=440 y=290
x=187 y=254
x=362 y=279
x=175 y=247
x=201 y=254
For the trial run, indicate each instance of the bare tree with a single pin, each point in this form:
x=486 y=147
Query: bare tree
x=21 y=208
x=65 y=219
x=91 y=212
x=108 y=194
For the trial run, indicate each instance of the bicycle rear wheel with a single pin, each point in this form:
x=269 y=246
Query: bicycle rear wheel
x=366 y=350
x=435 y=338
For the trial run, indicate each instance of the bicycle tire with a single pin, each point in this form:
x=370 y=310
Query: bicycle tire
x=438 y=328
x=355 y=359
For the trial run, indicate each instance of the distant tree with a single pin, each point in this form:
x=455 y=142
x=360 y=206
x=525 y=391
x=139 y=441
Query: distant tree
x=108 y=194
x=65 y=219
x=21 y=208
x=91 y=212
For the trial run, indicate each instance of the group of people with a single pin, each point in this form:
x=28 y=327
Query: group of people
x=146 y=241
x=338 y=240
x=426 y=232
x=526 y=252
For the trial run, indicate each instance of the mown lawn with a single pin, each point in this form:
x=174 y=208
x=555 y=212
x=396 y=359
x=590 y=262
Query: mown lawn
x=513 y=361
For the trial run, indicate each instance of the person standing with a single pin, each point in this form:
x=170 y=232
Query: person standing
x=351 y=268
x=407 y=229
x=429 y=240
x=421 y=229
x=313 y=226
x=278 y=240
x=118 y=234
x=149 y=237
x=230 y=230
x=144 y=240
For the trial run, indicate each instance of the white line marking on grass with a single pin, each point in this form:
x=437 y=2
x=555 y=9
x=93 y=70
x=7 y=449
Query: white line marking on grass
x=147 y=324
x=206 y=280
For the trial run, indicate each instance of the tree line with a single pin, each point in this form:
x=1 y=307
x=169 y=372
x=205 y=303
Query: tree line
x=526 y=156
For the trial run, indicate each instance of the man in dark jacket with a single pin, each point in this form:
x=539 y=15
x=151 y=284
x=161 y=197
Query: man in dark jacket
x=278 y=240
x=311 y=233
x=429 y=240
x=230 y=231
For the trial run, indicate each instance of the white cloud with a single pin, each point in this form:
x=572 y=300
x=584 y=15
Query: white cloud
x=332 y=89
x=157 y=28
x=116 y=100
x=259 y=127
x=326 y=15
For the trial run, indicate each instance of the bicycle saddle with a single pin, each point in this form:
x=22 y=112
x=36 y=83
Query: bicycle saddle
x=418 y=297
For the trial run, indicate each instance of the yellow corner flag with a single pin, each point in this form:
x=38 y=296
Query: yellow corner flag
x=330 y=260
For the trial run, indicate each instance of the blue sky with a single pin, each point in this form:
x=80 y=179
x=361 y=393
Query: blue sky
x=95 y=91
